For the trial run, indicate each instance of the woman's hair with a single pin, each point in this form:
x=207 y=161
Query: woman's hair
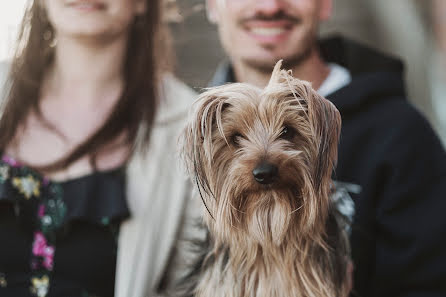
x=133 y=114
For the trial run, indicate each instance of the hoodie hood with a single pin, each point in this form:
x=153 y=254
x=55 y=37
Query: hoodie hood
x=375 y=76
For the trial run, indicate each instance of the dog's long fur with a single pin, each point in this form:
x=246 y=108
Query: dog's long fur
x=276 y=239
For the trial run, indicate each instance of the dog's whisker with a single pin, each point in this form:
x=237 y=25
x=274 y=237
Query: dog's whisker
x=297 y=209
x=232 y=206
x=292 y=154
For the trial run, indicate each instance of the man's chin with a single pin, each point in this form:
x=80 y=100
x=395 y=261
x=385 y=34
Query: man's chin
x=261 y=64
x=265 y=63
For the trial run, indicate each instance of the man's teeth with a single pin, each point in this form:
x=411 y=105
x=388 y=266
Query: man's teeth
x=267 y=31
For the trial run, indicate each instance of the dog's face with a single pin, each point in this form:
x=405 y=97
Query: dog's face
x=263 y=159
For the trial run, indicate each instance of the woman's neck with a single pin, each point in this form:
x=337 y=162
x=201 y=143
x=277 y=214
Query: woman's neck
x=85 y=72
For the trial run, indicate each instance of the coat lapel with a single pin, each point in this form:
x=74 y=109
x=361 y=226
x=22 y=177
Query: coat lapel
x=157 y=193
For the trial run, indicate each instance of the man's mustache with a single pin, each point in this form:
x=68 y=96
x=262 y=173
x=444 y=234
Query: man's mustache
x=279 y=16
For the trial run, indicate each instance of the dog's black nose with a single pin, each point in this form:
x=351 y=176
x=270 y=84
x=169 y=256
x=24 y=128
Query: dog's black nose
x=265 y=173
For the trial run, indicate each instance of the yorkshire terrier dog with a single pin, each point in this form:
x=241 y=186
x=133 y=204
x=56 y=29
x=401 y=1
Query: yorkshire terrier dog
x=262 y=161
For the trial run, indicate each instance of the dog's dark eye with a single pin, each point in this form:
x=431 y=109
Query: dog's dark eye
x=287 y=133
x=235 y=139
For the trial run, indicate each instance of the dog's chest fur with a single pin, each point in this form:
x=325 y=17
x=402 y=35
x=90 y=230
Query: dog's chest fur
x=249 y=271
x=264 y=277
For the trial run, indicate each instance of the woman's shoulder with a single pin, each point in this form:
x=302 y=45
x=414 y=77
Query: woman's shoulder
x=175 y=99
x=173 y=85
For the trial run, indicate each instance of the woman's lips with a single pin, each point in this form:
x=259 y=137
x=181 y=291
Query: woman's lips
x=268 y=32
x=87 y=5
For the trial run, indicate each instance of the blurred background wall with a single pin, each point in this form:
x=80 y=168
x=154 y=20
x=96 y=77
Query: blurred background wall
x=403 y=28
x=11 y=12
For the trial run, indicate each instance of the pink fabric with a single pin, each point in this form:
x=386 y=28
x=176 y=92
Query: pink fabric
x=41 y=248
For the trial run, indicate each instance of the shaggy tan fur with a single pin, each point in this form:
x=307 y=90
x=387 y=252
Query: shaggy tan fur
x=269 y=240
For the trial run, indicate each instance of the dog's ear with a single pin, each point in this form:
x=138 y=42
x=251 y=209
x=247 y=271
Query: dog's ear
x=324 y=124
x=326 y=121
x=196 y=140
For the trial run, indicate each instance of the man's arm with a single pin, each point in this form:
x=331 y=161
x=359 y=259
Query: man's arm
x=410 y=251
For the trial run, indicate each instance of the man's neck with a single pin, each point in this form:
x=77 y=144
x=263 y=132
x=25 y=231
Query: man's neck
x=312 y=69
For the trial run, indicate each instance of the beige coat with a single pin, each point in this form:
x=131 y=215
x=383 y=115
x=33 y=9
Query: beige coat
x=158 y=196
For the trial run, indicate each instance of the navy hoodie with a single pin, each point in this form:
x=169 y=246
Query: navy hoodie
x=393 y=167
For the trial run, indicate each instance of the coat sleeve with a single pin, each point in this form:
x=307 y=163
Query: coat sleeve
x=184 y=255
x=410 y=229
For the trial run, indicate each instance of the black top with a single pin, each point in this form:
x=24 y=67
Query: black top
x=59 y=238
x=394 y=168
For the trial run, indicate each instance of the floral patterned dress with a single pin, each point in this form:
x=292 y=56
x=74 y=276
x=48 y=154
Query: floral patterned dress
x=59 y=238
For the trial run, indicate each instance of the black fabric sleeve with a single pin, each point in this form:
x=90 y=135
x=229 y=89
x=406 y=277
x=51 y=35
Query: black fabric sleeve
x=410 y=229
